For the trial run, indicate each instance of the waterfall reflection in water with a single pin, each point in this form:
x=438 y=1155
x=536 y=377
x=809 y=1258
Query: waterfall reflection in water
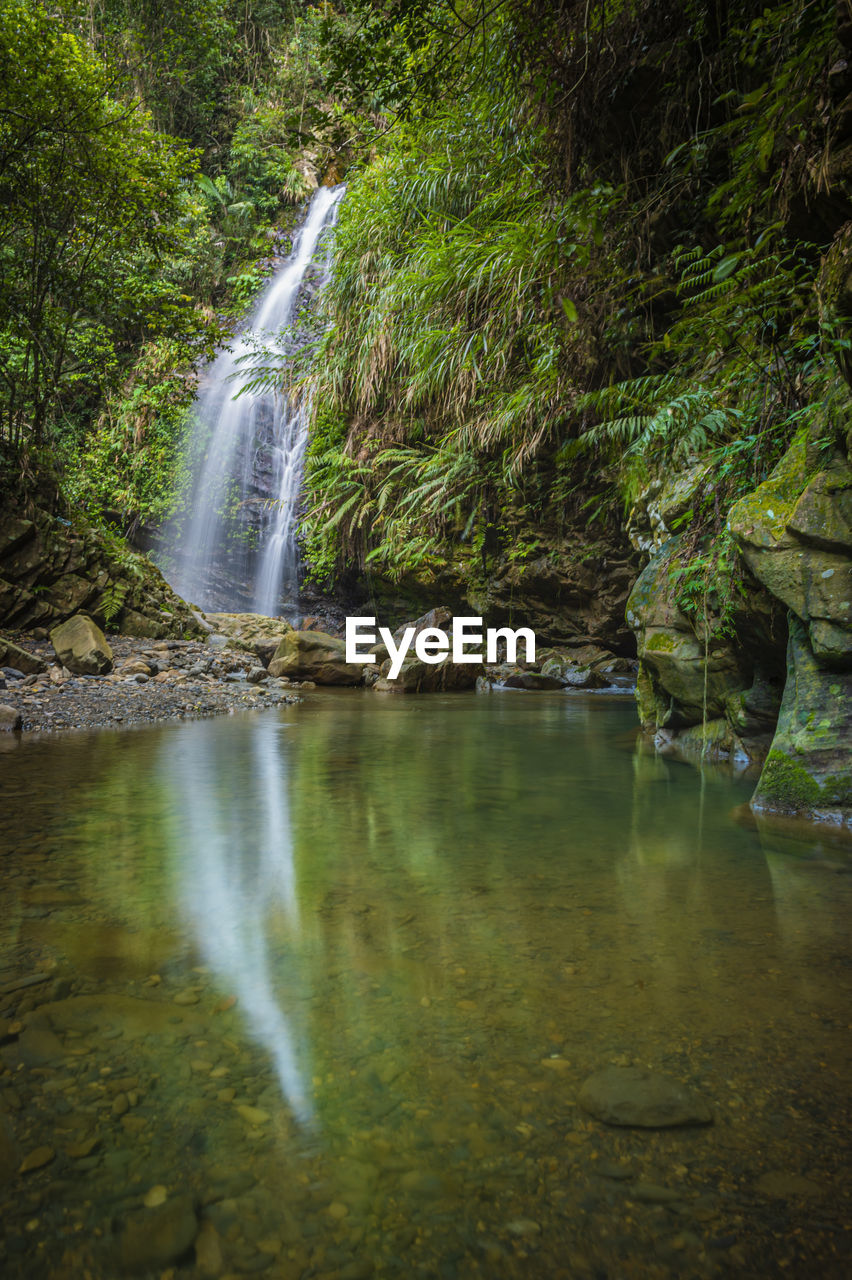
x=439 y=916
x=236 y=875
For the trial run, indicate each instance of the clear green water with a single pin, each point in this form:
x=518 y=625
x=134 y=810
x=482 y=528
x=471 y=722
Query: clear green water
x=401 y=933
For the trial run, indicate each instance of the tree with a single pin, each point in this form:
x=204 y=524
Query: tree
x=92 y=198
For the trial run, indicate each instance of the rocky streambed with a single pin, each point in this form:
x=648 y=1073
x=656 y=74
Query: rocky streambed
x=80 y=679
x=148 y=681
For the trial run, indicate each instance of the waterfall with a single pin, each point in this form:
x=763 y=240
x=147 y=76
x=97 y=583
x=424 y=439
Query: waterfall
x=237 y=548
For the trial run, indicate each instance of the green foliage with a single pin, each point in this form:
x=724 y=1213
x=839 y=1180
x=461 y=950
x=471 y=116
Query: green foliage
x=90 y=196
x=534 y=311
x=741 y=362
x=116 y=252
x=454 y=306
x=133 y=459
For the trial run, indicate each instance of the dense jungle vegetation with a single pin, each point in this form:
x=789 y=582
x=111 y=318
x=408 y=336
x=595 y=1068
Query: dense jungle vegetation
x=583 y=245
x=150 y=156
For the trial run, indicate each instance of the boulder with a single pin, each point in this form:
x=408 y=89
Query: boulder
x=439 y=617
x=635 y=1098
x=533 y=680
x=10 y=719
x=81 y=646
x=424 y=677
x=314 y=655
x=585 y=678
x=809 y=767
x=12 y=656
x=415 y=676
x=251 y=632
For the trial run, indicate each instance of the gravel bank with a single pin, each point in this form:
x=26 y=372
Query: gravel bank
x=151 y=680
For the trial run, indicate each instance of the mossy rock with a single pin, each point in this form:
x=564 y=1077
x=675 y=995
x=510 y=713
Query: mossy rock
x=683 y=678
x=795 y=534
x=809 y=768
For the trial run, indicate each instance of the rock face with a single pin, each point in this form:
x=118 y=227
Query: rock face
x=571 y=589
x=809 y=767
x=52 y=568
x=82 y=647
x=631 y=1097
x=737 y=692
x=683 y=670
x=795 y=533
x=568 y=589
x=314 y=655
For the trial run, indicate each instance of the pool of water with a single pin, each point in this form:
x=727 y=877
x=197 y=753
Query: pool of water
x=313 y=993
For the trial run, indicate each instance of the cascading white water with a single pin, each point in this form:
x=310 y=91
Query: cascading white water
x=239 y=546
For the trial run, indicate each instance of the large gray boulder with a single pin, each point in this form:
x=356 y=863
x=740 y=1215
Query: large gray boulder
x=81 y=646
x=416 y=676
x=314 y=655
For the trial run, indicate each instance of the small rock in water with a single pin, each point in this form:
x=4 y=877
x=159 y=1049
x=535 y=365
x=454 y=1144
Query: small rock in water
x=208 y=1250
x=650 y=1193
x=254 y=1115
x=80 y=1150
x=155 y=1237
x=523 y=1227
x=37 y=1159
x=10 y=1154
x=189 y=996
x=632 y=1097
x=783 y=1186
x=156 y=1196
x=10 y=719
